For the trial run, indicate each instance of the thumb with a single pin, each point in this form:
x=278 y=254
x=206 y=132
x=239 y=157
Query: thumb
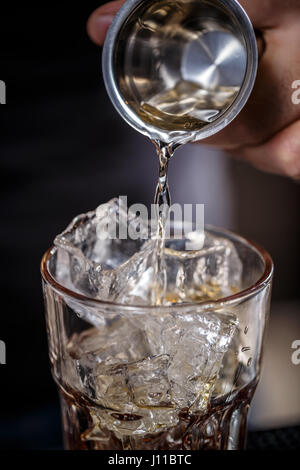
x=99 y=21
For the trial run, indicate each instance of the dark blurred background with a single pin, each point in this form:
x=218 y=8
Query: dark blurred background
x=63 y=150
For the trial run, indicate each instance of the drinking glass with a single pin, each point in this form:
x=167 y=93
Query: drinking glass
x=116 y=394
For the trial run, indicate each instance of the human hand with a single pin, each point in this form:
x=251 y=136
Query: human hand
x=267 y=131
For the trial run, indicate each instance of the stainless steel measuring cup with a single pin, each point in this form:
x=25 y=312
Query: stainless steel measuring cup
x=179 y=70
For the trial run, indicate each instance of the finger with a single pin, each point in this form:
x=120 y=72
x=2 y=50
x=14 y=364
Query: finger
x=268 y=13
x=279 y=155
x=100 y=20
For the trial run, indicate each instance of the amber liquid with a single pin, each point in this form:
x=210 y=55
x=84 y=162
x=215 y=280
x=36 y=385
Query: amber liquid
x=181 y=108
x=222 y=427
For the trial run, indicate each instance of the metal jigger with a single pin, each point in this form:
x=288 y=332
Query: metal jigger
x=180 y=70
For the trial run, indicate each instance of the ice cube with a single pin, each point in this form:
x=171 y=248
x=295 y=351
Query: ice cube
x=196 y=353
x=134 y=397
x=120 y=340
x=198 y=275
x=117 y=368
x=154 y=325
x=99 y=357
x=123 y=270
x=148 y=382
x=111 y=388
x=99 y=263
x=139 y=392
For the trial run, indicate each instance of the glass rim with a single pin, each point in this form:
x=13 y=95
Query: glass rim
x=254 y=288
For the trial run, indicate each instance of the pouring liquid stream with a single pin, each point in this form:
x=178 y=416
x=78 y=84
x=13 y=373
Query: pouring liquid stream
x=162 y=201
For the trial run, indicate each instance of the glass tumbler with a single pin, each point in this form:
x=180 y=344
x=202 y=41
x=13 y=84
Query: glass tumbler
x=177 y=377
